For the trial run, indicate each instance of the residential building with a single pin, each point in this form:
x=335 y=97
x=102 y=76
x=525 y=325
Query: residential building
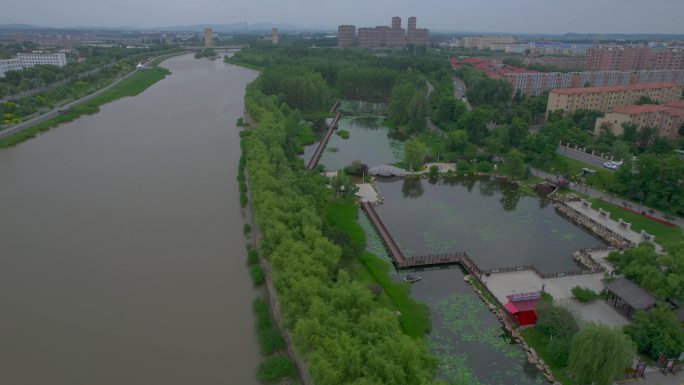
x=605 y=98
x=485 y=41
x=274 y=35
x=617 y=58
x=393 y=36
x=49 y=58
x=346 y=36
x=208 y=38
x=667 y=58
x=9 y=65
x=666 y=118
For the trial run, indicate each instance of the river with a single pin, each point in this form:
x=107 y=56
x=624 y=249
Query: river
x=123 y=258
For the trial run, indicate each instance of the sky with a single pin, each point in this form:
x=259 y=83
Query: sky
x=514 y=16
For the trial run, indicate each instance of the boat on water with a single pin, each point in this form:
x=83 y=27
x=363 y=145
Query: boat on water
x=412 y=278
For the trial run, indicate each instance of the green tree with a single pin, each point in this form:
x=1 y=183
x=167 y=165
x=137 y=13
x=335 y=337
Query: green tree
x=657 y=330
x=515 y=164
x=599 y=354
x=555 y=321
x=414 y=153
x=620 y=150
x=458 y=140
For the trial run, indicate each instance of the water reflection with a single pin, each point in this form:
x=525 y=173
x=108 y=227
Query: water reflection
x=412 y=187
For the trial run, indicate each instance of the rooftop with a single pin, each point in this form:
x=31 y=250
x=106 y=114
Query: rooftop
x=591 y=90
x=631 y=293
x=640 y=109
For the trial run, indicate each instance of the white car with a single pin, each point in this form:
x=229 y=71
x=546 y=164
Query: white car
x=611 y=165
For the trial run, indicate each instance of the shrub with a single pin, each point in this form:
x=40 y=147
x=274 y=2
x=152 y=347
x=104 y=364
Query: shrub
x=243 y=200
x=252 y=256
x=270 y=341
x=584 y=295
x=344 y=134
x=559 y=351
x=274 y=369
x=257 y=274
x=463 y=166
x=483 y=166
x=246 y=228
x=434 y=172
x=555 y=321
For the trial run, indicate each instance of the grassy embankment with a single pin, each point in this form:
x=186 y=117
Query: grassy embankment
x=664 y=234
x=132 y=86
x=372 y=270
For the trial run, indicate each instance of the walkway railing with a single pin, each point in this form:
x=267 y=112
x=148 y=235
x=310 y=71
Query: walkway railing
x=324 y=142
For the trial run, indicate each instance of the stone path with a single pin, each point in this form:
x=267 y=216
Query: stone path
x=367 y=193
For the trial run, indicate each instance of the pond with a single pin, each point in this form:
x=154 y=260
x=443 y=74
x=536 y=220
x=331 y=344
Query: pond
x=492 y=221
x=368 y=141
x=466 y=338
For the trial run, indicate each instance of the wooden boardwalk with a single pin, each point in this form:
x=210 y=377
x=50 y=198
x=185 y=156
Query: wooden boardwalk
x=402 y=262
x=324 y=142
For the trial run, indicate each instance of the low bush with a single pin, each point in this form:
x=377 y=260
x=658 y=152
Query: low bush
x=257 y=274
x=246 y=229
x=483 y=166
x=275 y=369
x=559 y=351
x=584 y=295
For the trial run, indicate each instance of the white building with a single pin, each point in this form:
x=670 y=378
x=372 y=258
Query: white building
x=48 y=58
x=9 y=65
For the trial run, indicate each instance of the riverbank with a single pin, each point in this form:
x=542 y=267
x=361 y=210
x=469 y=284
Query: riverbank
x=131 y=85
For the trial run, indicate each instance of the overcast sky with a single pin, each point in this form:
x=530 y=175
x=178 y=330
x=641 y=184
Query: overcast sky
x=522 y=16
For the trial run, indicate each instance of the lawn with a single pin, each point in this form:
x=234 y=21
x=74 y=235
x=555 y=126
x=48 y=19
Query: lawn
x=371 y=270
x=664 y=234
x=540 y=344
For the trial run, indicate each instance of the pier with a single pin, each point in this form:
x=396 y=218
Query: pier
x=324 y=142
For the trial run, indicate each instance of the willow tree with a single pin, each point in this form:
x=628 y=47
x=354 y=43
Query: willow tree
x=599 y=354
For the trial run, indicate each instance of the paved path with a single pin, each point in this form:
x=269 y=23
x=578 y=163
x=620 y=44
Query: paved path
x=367 y=193
x=594 y=193
x=503 y=284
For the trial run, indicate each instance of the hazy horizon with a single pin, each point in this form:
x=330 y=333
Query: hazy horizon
x=521 y=16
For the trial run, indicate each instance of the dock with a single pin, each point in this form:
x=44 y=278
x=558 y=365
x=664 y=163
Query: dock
x=324 y=142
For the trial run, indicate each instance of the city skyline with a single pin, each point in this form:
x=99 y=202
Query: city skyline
x=523 y=16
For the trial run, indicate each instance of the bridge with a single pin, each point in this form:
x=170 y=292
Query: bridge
x=386 y=170
x=403 y=262
x=324 y=142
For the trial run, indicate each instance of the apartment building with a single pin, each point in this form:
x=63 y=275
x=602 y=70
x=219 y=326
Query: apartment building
x=346 y=36
x=9 y=65
x=48 y=58
x=536 y=83
x=605 y=98
x=485 y=41
x=393 y=36
x=208 y=38
x=630 y=58
x=617 y=58
x=666 y=118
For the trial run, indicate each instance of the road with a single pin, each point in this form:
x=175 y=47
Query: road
x=460 y=92
x=55 y=112
x=582 y=157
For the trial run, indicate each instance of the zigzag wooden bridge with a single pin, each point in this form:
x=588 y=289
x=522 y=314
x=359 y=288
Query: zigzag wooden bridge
x=402 y=262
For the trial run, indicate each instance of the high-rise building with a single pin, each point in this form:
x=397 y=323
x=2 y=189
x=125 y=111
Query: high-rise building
x=208 y=38
x=346 y=36
x=382 y=35
x=274 y=35
x=417 y=36
x=411 y=24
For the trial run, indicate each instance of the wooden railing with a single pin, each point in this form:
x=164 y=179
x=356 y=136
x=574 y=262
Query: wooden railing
x=324 y=142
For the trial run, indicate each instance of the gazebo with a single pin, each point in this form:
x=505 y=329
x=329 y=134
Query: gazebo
x=628 y=297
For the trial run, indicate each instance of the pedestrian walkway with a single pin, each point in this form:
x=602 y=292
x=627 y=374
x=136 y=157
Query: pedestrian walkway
x=593 y=193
